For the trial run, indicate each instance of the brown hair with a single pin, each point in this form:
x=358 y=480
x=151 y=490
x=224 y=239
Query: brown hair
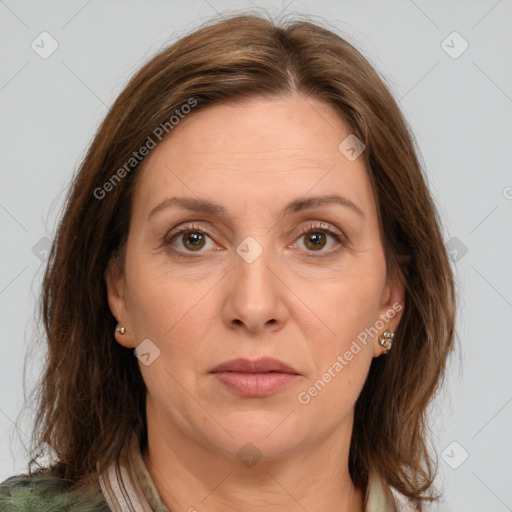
x=91 y=393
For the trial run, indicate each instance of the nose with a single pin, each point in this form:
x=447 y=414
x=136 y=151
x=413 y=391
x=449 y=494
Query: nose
x=256 y=297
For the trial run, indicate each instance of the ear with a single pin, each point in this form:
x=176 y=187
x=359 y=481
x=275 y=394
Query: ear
x=116 y=295
x=391 y=308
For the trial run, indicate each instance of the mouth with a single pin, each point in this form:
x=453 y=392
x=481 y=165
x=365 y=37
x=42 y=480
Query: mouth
x=263 y=365
x=255 y=378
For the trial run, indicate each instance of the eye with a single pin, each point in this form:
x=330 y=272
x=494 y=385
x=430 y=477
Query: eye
x=188 y=239
x=315 y=238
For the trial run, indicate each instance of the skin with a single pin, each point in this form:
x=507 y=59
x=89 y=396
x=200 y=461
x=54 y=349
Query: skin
x=253 y=157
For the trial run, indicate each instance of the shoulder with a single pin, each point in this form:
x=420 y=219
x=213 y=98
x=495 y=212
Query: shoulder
x=402 y=503
x=45 y=493
x=382 y=498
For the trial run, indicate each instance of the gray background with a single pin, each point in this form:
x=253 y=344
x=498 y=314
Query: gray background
x=460 y=110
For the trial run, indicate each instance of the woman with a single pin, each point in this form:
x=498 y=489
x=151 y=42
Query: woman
x=252 y=223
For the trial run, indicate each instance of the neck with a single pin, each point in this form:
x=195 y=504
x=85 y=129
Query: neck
x=192 y=477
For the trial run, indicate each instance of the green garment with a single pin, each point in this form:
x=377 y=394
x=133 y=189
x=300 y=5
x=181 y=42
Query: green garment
x=45 y=493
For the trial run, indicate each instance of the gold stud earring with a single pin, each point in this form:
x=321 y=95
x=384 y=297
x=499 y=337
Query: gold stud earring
x=121 y=330
x=386 y=340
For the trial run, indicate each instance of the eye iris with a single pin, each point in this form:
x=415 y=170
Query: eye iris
x=313 y=239
x=196 y=240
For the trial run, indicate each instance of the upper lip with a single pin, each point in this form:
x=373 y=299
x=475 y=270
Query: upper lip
x=263 y=365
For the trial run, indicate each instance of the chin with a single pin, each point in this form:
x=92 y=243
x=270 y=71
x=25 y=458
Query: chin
x=272 y=432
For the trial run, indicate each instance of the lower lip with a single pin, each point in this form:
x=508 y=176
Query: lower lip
x=255 y=384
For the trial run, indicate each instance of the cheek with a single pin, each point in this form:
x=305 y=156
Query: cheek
x=178 y=316
x=348 y=304
x=342 y=355
x=341 y=367
x=161 y=302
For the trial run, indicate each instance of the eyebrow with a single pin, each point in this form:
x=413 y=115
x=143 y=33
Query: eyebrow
x=297 y=205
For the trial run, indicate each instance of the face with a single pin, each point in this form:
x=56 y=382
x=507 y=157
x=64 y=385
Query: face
x=247 y=265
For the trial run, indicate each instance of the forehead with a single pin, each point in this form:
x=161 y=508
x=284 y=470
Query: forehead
x=260 y=149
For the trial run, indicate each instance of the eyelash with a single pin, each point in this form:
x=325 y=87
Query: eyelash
x=311 y=228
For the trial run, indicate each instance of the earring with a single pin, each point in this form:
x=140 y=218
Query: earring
x=121 y=330
x=386 y=340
